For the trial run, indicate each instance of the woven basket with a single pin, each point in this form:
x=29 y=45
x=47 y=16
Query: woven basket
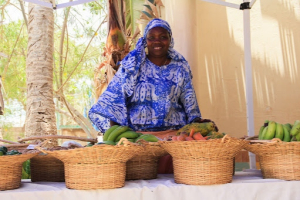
x=46 y=167
x=203 y=162
x=11 y=170
x=144 y=164
x=277 y=159
x=97 y=167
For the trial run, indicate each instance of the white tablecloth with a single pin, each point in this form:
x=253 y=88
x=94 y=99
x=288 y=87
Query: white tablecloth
x=245 y=185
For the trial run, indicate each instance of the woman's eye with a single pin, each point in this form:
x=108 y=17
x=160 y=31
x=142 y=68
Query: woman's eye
x=150 y=38
x=161 y=38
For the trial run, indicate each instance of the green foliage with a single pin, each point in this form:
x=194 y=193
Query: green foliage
x=79 y=59
x=13 y=70
x=7 y=133
x=26 y=172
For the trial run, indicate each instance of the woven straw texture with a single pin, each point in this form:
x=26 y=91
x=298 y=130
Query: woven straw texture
x=144 y=164
x=47 y=168
x=96 y=167
x=11 y=170
x=277 y=159
x=204 y=162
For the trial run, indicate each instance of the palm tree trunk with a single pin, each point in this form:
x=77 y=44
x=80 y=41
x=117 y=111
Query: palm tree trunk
x=40 y=111
x=114 y=47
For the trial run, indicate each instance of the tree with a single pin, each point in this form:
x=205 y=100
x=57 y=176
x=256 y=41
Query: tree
x=75 y=56
x=122 y=33
x=40 y=111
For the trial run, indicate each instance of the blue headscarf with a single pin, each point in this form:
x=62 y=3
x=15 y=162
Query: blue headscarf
x=136 y=58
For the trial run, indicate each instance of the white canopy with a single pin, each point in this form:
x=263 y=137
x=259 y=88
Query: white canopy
x=58 y=6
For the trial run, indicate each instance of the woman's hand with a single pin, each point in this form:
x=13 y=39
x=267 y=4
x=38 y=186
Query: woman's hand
x=199 y=120
x=113 y=123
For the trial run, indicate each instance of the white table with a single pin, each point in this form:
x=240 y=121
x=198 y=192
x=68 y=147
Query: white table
x=245 y=185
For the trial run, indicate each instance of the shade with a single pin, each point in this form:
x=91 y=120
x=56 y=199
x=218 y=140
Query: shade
x=245 y=7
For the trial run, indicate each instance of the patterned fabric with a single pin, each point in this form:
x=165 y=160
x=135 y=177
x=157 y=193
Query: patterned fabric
x=147 y=97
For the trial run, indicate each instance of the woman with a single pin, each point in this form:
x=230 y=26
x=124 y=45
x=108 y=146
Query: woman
x=150 y=92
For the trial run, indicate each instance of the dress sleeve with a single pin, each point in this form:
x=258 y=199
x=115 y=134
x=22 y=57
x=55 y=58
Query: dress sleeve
x=188 y=97
x=112 y=103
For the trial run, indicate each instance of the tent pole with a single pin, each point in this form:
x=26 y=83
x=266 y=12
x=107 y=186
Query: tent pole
x=248 y=80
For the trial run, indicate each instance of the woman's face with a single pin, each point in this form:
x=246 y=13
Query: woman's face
x=158 y=42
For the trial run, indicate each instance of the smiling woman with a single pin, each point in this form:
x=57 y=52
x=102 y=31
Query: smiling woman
x=158 y=42
x=150 y=92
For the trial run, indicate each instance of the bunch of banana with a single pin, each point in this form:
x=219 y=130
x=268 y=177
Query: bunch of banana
x=285 y=132
x=113 y=135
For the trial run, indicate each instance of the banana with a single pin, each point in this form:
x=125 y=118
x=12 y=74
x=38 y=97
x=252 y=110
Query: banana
x=279 y=131
x=130 y=140
x=288 y=126
x=296 y=128
x=264 y=133
x=128 y=135
x=271 y=131
x=148 y=137
x=298 y=137
x=286 y=133
x=117 y=132
x=109 y=131
x=266 y=122
x=260 y=132
x=293 y=139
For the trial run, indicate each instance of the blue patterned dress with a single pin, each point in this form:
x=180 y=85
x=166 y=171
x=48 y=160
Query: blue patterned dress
x=147 y=97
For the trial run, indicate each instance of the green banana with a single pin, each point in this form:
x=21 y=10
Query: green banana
x=296 y=128
x=279 y=131
x=260 y=132
x=117 y=132
x=293 y=138
x=266 y=123
x=286 y=133
x=298 y=137
x=271 y=131
x=288 y=126
x=264 y=133
x=148 y=138
x=128 y=135
x=109 y=131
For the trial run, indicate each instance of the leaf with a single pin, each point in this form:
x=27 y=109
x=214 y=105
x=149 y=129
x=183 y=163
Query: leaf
x=151 y=1
x=159 y=3
x=148 y=9
x=147 y=14
x=154 y=9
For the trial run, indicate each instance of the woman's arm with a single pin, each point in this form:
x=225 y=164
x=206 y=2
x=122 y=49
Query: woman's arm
x=112 y=123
